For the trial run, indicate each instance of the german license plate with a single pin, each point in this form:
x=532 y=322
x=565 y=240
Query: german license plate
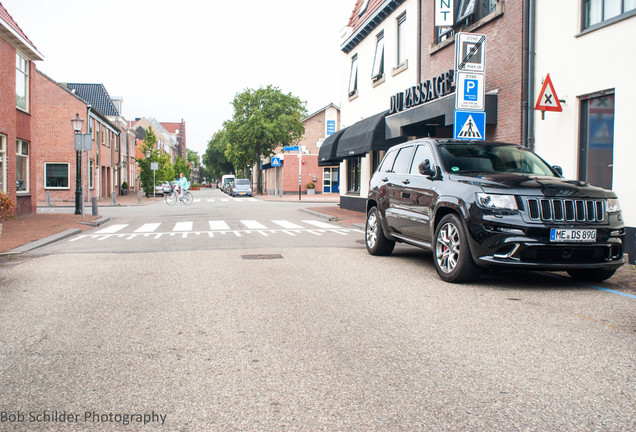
x=573 y=235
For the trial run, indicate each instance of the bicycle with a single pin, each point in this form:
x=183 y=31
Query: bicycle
x=187 y=198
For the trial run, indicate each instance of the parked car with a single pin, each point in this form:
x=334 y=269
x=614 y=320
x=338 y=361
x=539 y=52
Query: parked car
x=159 y=189
x=226 y=181
x=491 y=205
x=241 y=187
x=167 y=187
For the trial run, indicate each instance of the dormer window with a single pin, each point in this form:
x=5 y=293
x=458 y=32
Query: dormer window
x=363 y=9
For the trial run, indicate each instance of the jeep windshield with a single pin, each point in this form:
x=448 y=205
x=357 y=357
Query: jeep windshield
x=464 y=158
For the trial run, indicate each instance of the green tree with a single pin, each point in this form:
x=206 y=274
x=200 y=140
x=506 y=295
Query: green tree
x=193 y=158
x=263 y=120
x=214 y=159
x=181 y=166
x=165 y=171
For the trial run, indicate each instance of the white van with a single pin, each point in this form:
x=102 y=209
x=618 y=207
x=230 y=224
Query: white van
x=226 y=181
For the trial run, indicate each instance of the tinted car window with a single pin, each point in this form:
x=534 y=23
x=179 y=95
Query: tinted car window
x=242 y=182
x=462 y=158
x=422 y=153
x=403 y=160
x=387 y=163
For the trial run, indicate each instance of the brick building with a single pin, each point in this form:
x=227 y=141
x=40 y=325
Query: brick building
x=17 y=104
x=393 y=50
x=284 y=178
x=57 y=104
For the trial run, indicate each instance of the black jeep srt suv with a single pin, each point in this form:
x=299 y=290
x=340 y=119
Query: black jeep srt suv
x=495 y=205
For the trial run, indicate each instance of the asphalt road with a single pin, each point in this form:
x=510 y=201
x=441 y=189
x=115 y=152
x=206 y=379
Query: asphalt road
x=285 y=336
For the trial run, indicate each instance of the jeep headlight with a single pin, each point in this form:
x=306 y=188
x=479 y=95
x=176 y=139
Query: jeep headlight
x=496 y=202
x=612 y=205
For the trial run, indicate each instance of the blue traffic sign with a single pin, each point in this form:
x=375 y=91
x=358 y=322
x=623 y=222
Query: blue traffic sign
x=275 y=161
x=291 y=148
x=470 y=125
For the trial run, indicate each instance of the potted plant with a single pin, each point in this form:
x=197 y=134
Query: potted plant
x=7 y=208
x=124 y=188
x=311 y=188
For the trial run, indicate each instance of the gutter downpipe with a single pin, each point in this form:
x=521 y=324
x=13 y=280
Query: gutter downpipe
x=419 y=42
x=527 y=121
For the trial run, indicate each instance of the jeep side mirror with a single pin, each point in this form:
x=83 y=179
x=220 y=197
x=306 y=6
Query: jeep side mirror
x=558 y=169
x=425 y=168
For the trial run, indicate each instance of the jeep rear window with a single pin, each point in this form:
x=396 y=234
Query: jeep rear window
x=489 y=158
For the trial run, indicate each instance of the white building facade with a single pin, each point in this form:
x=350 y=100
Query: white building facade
x=380 y=59
x=586 y=47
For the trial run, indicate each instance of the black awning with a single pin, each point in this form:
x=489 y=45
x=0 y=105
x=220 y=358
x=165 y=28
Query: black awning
x=327 y=153
x=363 y=137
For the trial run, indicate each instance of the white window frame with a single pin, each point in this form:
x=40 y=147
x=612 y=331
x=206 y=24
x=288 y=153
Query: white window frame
x=19 y=153
x=401 y=40
x=378 y=61
x=91 y=174
x=68 y=176
x=22 y=77
x=353 y=76
x=3 y=163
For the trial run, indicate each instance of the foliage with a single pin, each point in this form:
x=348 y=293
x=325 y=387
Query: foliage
x=214 y=159
x=181 y=166
x=193 y=158
x=263 y=120
x=124 y=185
x=311 y=185
x=7 y=207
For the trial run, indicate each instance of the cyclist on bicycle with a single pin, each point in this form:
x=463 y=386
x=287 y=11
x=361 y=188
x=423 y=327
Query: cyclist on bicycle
x=181 y=186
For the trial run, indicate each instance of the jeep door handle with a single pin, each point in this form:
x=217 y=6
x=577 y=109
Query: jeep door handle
x=407 y=181
x=385 y=179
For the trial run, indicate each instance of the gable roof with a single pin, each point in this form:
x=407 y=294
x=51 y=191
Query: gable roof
x=11 y=31
x=96 y=95
x=363 y=23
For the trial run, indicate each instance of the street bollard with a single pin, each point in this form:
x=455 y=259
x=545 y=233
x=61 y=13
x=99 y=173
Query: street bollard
x=48 y=198
x=94 y=204
x=114 y=198
x=139 y=196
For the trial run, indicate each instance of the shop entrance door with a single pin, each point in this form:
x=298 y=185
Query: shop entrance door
x=331 y=180
x=596 y=157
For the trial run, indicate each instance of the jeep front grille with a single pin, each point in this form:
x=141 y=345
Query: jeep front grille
x=565 y=210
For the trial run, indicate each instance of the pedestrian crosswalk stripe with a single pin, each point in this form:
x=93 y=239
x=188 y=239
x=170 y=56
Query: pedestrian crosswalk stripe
x=147 y=228
x=112 y=229
x=320 y=224
x=252 y=224
x=182 y=226
x=218 y=225
x=287 y=224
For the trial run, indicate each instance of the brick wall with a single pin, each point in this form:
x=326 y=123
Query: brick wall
x=504 y=55
x=54 y=134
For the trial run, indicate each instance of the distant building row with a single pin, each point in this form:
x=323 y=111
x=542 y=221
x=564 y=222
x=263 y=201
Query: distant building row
x=35 y=114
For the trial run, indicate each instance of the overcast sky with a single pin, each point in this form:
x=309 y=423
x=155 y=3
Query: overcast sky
x=187 y=59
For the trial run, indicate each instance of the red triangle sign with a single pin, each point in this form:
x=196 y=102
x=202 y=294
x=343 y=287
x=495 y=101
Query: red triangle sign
x=548 y=99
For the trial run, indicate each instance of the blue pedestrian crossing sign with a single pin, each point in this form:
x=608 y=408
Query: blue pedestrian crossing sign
x=275 y=161
x=470 y=125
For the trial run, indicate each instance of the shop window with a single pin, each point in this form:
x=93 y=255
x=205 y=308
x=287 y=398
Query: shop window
x=353 y=175
x=22 y=166
x=378 y=60
x=22 y=83
x=56 y=175
x=401 y=40
x=353 y=76
x=3 y=163
x=467 y=12
x=596 y=11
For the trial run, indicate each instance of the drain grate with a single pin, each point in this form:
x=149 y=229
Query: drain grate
x=262 y=256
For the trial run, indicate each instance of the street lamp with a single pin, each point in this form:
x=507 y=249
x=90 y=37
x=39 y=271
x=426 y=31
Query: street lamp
x=148 y=153
x=77 y=128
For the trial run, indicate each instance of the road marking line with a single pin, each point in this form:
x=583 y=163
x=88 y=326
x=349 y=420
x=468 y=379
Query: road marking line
x=287 y=224
x=148 y=228
x=216 y=225
x=320 y=224
x=252 y=224
x=183 y=226
x=314 y=232
x=112 y=229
